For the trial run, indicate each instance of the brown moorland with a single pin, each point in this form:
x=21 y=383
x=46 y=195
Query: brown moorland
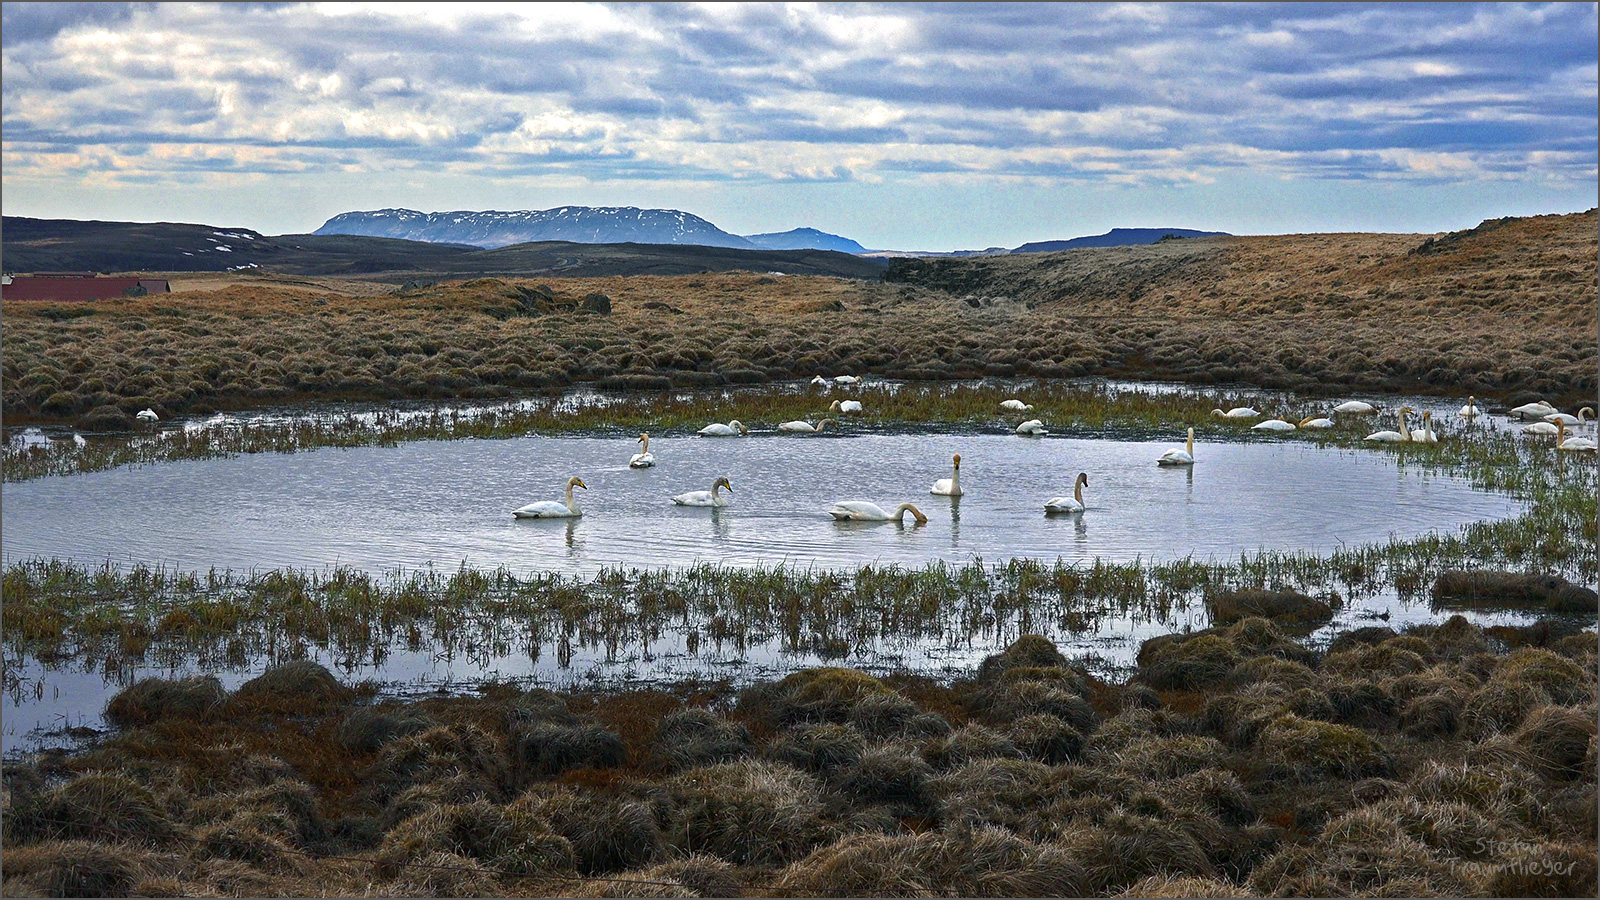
x=1504 y=311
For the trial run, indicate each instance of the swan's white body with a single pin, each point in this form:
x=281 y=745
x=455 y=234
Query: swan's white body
x=1015 y=404
x=1175 y=457
x=147 y=415
x=1566 y=419
x=846 y=406
x=1238 y=412
x=1536 y=410
x=1273 y=425
x=1316 y=422
x=1541 y=428
x=1425 y=435
x=1470 y=411
x=1032 y=427
x=1575 y=444
x=732 y=429
x=644 y=459
x=949 y=487
x=1355 y=406
x=862 y=511
x=553 y=509
x=845 y=379
x=712 y=497
x=819 y=380
x=799 y=427
x=1393 y=437
x=1073 y=504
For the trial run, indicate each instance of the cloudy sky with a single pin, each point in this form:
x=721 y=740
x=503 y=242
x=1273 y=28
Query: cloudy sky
x=901 y=126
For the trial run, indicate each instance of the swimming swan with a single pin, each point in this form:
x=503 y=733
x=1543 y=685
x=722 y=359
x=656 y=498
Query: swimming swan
x=1425 y=435
x=732 y=429
x=1015 y=404
x=846 y=406
x=644 y=459
x=1238 y=412
x=550 y=509
x=949 y=487
x=1273 y=425
x=1316 y=422
x=1569 y=420
x=1470 y=411
x=705 y=498
x=1355 y=406
x=1393 y=437
x=862 y=511
x=1535 y=410
x=1032 y=428
x=799 y=427
x=1580 y=444
x=1175 y=457
x=1073 y=504
x=147 y=415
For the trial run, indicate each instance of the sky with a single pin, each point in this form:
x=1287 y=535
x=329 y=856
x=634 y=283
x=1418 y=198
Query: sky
x=902 y=126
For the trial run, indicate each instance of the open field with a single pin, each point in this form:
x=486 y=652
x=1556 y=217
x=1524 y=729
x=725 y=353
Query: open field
x=1502 y=312
x=1235 y=762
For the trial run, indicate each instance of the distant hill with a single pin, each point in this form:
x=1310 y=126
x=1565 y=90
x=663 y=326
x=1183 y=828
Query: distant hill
x=1117 y=237
x=805 y=239
x=578 y=224
x=43 y=245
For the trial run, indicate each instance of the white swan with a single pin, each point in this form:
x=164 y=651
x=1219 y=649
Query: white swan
x=1175 y=457
x=1470 y=411
x=846 y=406
x=1273 y=425
x=1238 y=412
x=819 y=380
x=1565 y=419
x=147 y=415
x=551 y=509
x=1393 y=437
x=1535 y=410
x=1032 y=428
x=1073 y=504
x=1015 y=404
x=644 y=459
x=845 y=379
x=1316 y=422
x=717 y=429
x=949 y=487
x=799 y=427
x=1425 y=435
x=862 y=511
x=1355 y=406
x=705 y=498
x=1541 y=428
x=1576 y=444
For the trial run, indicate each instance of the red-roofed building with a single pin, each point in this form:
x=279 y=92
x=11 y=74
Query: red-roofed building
x=78 y=286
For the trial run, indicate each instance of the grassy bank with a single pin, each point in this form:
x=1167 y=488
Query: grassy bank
x=1235 y=762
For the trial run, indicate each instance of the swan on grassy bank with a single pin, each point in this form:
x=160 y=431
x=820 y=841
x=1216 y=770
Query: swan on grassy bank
x=1316 y=422
x=1425 y=435
x=1273 y=425
x=1354 y=407
x=1238 y=412
x=1032 y=428
x=1577 y=444
x=1538 y=409
x=553 y=509
x=1016 y=405
x=147 y=415
x=846 y=406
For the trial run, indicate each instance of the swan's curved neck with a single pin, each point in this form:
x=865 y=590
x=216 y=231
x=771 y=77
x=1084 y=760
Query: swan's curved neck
x=1405 y=432
x=1581 y=412
x=571 y=505
x=716 y=488
x=1189 y=444
x=955 y=477
x=904 y=508
x=646 y=441
x=1077 y=491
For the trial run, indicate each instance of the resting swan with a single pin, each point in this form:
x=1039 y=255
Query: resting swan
x=1238 y=412
x=1579 y=444
x=1393 y=437
x=1470 y=411
x=819 y=380
x=644 y=459
x=1316 y=422
x=949 y=487
x=845 y=379
x=1535 y=410
x=1175 y=457
x=551 y=509
x=1355 y=406
x=862 y=511
x=1015 y=404
x=732 y=429
x=1565 y=419
x=705 y=498
x=1032 y=428
x=1425 y=435
x=799 y=427
x=1542 y=428
x=846 y=406
x=1073 y=504
x=147 y=415
x=1273 y=425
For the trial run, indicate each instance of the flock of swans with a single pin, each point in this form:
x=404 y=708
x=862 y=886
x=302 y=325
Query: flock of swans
x=1550 y=421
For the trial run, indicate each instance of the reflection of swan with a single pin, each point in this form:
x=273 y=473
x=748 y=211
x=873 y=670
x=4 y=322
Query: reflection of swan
x=1393 y=437
x=1015 y=404
x=1565 y=419
x=1425 y=435
x=705 y=498
x=1238 y=412
x=862 y=511
x=644 y=459
x=1073 y=504
x=147 y=415
x=1535 y=410
x=1470 y=411
x=846 y=406
x=1184 y=457
x=551 y=509
x=1355 y=406
x=949 y=487
x=732 y=429
x=1032 y=427
x=1316 y=422
x=799 y=427
x=1273 y=425
x=1580 y=444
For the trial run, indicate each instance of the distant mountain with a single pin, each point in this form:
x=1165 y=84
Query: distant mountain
x=577 y=224
x=804 y=239
x=1117 y=237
